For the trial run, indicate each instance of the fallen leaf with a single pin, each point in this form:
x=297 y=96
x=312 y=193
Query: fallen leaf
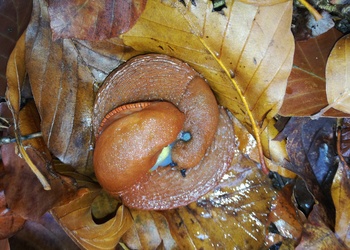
x=45 y=233
x=77 y=220
x=15 y=75
x=14 y=18
x=284 y=215
x=337 y=75
x=306 y=89
x=25 y=195
x=317 y=235
x=345 y=138
x=312 y=157
x=10 y=223
x=150 y=230
x=93 y=20
x=341 y=195
x=245 y=58
x=234 y=214
x=64 y=75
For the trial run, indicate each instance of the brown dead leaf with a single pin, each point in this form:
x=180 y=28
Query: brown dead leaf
x=337 y=75
x=312 y=157
x=15 y=75
x=341 y=199
x=93 y=20
x=24 y=193
x=306 y=89
x=10 y=223
x=150 y=230
x=317 y=235
x=77 y=220
x=234 y=214
x=44 y=233
x=14 y=18
x=345 y=138
x=284 y=215
x=64 y=75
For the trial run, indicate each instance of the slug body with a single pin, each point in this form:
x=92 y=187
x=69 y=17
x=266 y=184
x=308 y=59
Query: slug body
x=152 y=106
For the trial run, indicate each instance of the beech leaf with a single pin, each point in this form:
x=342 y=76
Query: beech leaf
x=150 y=230
x=306 y=89
x=338 y=76
x=93 y=20
x=64 y=75
x=76 y=217
x=234 y=214
x=247 y=67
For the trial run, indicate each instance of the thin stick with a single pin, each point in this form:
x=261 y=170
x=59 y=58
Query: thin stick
x=7 y=140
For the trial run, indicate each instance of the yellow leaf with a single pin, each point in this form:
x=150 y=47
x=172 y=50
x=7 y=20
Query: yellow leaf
x=76 y=218
x=15 y=74
x=233 y=215
x=338 y=75
x=245 y=51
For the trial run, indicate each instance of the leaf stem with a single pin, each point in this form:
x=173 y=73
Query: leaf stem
x=312 y=10
x=256 y=130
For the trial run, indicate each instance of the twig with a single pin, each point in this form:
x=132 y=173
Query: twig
x=7 y=140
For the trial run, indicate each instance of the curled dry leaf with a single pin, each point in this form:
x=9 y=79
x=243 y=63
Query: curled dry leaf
x=341 y=199
x=77 y=220
x=93 y=20
x=338 y=77
x=306 y=89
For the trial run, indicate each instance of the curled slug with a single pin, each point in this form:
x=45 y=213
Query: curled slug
x=152 y=109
